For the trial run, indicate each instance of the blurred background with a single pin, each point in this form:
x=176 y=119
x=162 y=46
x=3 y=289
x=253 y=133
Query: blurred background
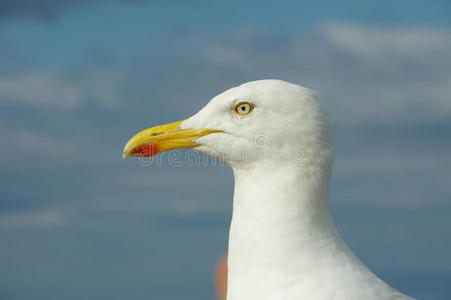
x=78 y=78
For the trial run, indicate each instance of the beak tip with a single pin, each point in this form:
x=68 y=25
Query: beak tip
x=126 y=152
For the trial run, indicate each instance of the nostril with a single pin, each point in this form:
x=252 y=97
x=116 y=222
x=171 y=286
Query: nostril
x=156 y=133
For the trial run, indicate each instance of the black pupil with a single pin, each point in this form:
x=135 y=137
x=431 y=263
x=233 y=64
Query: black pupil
x=243 y=108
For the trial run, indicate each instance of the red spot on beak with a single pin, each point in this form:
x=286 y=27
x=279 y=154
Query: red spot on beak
x=146 y=150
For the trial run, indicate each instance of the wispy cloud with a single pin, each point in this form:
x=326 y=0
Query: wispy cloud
x=366 y=75
x=56 y=90
x=33 y=219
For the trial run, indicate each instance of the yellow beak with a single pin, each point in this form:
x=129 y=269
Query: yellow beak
x=162 y=138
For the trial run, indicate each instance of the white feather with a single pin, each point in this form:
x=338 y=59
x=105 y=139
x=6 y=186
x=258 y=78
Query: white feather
x=283 y=242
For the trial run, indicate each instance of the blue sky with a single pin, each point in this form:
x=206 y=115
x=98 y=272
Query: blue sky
x=76 y=29
x=77 y=78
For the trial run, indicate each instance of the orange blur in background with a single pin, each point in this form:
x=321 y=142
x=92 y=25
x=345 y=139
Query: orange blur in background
x=221 y=277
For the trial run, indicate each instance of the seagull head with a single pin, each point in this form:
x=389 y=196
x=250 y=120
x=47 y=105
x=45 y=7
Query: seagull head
x=264 y=121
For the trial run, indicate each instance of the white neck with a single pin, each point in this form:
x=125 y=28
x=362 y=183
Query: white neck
x=283 y=243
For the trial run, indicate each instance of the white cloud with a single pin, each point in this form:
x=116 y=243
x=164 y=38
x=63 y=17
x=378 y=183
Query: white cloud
x=375 y=43
x=40 y=89
x=39 y=218
x=57 y=90
x=37 y=147
x=389 y=76
x=364 y=74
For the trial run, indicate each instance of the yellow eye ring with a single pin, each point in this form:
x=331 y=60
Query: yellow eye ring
x=243 y=108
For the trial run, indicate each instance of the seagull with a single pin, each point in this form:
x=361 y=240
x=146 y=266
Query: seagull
x=283 y=243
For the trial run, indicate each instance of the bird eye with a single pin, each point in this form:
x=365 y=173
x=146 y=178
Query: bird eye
x=243 y=108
